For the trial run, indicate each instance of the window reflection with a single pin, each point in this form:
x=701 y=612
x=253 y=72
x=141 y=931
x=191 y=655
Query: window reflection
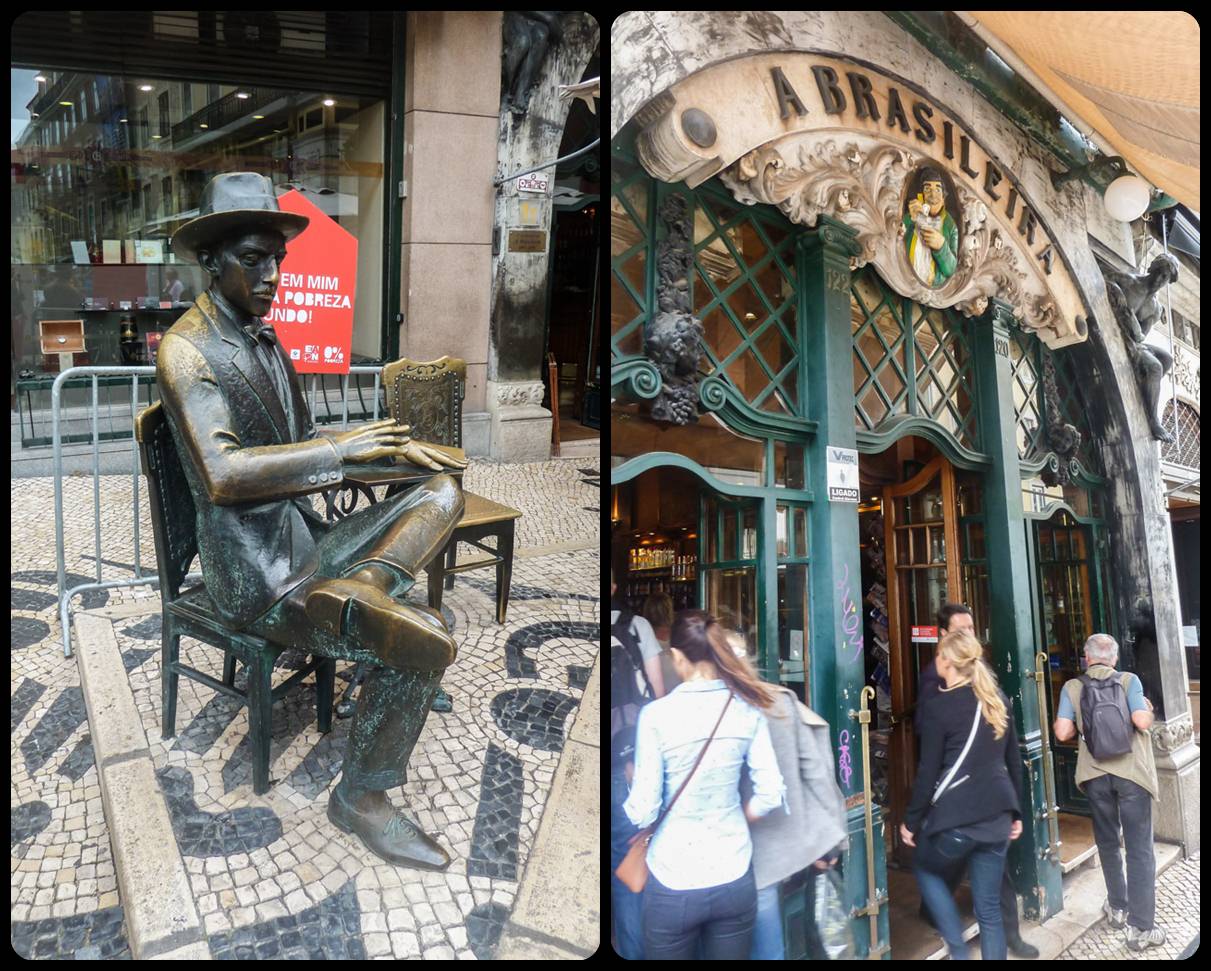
x=99 y=186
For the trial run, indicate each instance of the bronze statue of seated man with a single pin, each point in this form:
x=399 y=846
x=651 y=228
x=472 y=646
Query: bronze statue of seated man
x=272 y=565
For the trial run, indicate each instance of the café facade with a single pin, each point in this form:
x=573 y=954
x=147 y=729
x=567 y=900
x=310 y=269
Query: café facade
x=863 y=362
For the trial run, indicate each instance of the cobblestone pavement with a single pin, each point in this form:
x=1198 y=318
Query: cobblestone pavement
x=1177 y=903
x=271 y=876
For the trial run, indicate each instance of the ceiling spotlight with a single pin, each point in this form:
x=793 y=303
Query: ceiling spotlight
x=243 y=95
x=144 y=87
x=39 y=77
x=203 y=125
x=328 y=102
x=259 y=117
x=66 y=104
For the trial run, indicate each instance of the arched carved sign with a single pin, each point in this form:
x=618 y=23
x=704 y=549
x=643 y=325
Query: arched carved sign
x=944 y=223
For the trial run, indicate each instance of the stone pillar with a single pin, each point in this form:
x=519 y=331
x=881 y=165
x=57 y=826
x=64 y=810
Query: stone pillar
x=838 y=667
x=521 y=427
x=1142 y=572
x=1036 y=872
x=451 y=117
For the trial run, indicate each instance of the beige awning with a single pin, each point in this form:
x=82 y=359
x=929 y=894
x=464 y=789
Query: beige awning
x=1131 y=76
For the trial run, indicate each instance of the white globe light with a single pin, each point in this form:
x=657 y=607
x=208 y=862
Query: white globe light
x=1126 y=198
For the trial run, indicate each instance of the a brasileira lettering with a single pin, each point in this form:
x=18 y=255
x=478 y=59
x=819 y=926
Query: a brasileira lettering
x=858 y=95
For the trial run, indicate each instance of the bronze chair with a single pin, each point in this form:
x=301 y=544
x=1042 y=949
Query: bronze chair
x=191 y=613
x=428 y=395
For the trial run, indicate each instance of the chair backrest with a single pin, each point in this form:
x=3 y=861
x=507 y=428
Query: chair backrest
x=428 y=395
x=173 y=522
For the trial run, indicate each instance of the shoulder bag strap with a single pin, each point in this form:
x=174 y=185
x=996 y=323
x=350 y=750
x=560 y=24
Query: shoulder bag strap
x=962 y=755
x=697 y=762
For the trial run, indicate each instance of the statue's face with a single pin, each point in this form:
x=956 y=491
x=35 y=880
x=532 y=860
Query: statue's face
x=246 y=269
x=932 y=193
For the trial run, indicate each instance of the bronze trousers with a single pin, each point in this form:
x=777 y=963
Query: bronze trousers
x=404 y=533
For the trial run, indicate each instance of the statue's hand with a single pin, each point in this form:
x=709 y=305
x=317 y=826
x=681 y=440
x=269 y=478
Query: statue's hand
x=377 y=440
x=429 y=456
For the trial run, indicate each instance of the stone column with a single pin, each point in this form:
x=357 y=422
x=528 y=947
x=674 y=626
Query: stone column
x=1142 y=572
x=451 y=112
x=838 y=667
x=1036 y=873
x=520 y=426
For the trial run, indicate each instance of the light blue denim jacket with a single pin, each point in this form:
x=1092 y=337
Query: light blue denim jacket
x=704 y=841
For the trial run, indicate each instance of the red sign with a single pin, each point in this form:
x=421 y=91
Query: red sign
x=312 y=311
x=925 y=635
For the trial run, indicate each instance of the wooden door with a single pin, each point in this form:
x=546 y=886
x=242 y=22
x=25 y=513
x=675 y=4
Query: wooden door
x=922 y=549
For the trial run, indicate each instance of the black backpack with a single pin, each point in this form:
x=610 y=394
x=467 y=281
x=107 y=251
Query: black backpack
x=1105 y=717
x=626 y=694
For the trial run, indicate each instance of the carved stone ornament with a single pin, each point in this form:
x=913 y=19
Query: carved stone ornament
x=1169 y=736
x=1188 y=375
x=860 y=181
x=673 y=338
x=519 y=395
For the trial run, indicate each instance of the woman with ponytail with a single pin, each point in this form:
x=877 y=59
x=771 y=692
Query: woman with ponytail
x=700 y=899
x=966 y=801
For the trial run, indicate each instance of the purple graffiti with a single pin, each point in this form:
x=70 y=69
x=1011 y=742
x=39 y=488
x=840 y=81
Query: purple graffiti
x=851 y=620
x=847 y=769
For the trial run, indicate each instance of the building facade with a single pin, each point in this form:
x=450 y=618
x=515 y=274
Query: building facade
x=392 y=124
x=863 y=362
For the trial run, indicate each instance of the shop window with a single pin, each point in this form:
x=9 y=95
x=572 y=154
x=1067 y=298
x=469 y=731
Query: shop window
x=110 y=254
x=729 y=456
x=630 y=207
x=743 y=291
x=1183 y=425
x=909 y=360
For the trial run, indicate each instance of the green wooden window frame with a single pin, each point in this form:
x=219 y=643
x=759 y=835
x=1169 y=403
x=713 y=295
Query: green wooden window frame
x=911 y=360
x=632 y=213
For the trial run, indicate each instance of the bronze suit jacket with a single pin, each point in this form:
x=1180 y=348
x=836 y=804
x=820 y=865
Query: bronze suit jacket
x=247 y=463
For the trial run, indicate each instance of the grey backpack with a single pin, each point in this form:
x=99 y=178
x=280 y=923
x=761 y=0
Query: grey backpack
x=1105 y=717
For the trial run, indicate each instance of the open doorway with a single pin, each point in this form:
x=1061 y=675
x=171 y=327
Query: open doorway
x=921 y=531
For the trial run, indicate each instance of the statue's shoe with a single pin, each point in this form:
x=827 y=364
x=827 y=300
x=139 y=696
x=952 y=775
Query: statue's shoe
x=351 y=608
x=388 y=835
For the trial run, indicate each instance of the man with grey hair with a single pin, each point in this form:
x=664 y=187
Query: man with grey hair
x=1112 y=716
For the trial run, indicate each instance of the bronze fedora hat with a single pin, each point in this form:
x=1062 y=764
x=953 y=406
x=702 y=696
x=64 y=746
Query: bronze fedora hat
x=241 y=201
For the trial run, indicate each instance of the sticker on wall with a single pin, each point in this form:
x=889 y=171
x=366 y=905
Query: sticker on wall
x=842 y=474
x=312 y=311
x=931 y=236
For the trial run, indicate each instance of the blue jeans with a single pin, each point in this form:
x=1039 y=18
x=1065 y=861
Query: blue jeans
x=627 y=906
x=985 y=868
x=767 y=932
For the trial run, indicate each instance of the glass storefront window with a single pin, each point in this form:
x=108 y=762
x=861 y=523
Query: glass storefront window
x=731 y=596
x=99 y=186
x=793 y=625
x=788 y=466
x=733 y=458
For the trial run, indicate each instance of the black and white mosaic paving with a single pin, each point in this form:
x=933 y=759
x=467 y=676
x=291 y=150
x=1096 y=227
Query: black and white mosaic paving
x=271 y=876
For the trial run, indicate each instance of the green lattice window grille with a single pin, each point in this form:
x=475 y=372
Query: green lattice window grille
x=632 y=228
x=1029 y=403
x=1186 y=429
x=743 y=290
x=910 y=360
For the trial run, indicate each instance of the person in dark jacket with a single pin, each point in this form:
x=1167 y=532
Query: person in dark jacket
x=974 y=809
x=954 y=617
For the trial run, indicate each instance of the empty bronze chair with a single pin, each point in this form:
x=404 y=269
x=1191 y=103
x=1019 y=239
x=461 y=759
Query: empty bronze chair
x=428 y=395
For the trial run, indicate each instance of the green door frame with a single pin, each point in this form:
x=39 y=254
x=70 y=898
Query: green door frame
x=1068 y=797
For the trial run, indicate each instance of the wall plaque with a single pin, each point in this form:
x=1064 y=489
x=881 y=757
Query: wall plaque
x=527 y=241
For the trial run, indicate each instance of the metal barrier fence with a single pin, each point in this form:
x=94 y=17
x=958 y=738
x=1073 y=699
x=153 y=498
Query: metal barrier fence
x=134 y=375
x=34 y=403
